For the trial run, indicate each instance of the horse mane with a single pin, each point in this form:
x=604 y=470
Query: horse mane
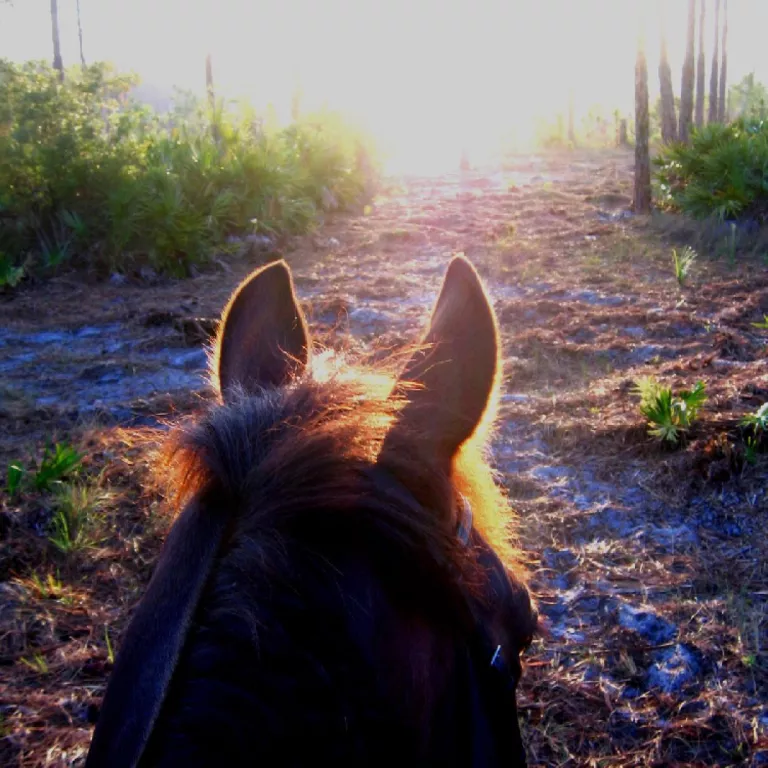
x=302 y=466
x=318 y=436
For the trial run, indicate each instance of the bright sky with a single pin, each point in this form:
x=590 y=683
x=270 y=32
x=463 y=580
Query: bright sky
x=422 y=75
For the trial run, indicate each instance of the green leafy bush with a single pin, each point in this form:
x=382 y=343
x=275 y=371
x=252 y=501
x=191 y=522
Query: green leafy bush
x=723 y=172
x=63 y=149
x=88 y=176
x=668 y=414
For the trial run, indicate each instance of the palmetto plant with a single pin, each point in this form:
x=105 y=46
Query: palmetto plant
x=682 y=263
x=758 y=420
x=668 y=414
x=58 y=461
x=722 y=172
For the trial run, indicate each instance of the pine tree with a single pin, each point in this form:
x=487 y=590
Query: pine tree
x=668 y=121
x=80 y=34
x=642 y=202
x=713 y=75
x=700 y=70
x=686 y=86
x=722 y=112
x=57 y=61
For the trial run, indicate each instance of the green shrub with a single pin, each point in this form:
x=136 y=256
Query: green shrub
x=63 y=148
x=10 y=274
x=668 y=414
x=87 y=176
x=57 y=462
x=723 y=172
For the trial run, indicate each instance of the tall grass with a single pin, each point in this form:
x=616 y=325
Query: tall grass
x=89 y=177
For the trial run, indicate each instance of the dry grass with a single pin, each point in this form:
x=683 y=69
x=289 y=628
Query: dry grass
x=588 y=303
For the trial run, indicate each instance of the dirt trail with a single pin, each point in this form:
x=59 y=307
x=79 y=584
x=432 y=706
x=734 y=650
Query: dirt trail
x=649 y=565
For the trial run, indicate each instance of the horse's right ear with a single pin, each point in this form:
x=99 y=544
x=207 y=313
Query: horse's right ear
x=263 y=339
x=454 y=372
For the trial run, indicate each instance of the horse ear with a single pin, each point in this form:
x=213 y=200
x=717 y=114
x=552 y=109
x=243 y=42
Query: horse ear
x=152 y=644
x=263 y=338
x=449 y=380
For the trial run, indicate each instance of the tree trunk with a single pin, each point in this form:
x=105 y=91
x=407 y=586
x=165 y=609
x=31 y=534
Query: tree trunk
x=623 y=138
x=722 y=112
x=686 y=86
x=209 y=82
x=713 y=74
x=571 y=128
x=642 y=202
x=58 y=64
x=211 y=97
x=700 y=70
x=668 y=121
x=80 y=34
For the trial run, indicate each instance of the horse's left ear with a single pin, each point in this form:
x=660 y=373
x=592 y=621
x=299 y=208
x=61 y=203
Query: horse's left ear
x=263 y=339
x=152 y=644
x=448 y=383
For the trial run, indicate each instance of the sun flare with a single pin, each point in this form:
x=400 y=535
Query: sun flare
x=427 y=79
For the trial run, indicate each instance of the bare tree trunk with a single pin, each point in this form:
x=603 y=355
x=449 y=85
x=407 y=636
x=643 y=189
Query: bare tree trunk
x=571 y=129
x=722 y=112
x=80 y=34
x=668 y=121
x=211 y=96
x=642 y=202
x=58 y=64
x=700 y=70
x=686 y=86
x=623 y=138
x=209 y=82
x=713 y=74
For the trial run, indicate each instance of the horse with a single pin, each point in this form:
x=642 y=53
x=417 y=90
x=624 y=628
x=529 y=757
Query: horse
x=339 y=585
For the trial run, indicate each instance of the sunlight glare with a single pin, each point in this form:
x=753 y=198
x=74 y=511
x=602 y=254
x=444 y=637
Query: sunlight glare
x=428 y=79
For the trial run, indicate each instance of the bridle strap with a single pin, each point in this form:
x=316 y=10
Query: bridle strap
x=490 y=654
x=466 y=521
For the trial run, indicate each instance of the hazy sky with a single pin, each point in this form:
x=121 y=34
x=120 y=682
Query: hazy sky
x=408 y=68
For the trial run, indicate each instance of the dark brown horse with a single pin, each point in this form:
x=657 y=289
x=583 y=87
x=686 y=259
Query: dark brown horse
x=332 y=591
